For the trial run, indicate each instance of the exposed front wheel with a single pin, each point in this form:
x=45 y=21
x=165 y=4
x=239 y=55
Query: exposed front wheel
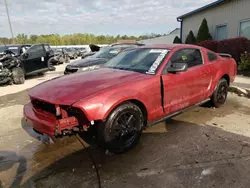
x=122 y=129
x=18 y=75
x=219 y=96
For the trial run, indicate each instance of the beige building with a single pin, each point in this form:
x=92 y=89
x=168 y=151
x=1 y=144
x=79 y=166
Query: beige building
x=226 y=19
x=168 y=39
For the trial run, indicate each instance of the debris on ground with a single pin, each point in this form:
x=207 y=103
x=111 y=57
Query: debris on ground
x=245 y=144
x=240 y=91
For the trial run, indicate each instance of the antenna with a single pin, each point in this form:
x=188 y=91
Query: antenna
x=6 y=5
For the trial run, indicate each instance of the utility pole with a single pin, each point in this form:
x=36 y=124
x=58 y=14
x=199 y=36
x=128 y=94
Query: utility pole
x=7 y=10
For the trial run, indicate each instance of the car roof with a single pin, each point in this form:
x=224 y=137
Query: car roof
x=40 y=44
x=126 y=44
x=170 y=46
x=17 y=45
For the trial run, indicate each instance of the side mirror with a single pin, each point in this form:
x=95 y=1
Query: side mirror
x=178 y=67
x=25 y=55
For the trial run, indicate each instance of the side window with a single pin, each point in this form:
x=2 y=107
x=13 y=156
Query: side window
x=36 y=50
x=47 y=48
x=211 y=56
x=190 y=56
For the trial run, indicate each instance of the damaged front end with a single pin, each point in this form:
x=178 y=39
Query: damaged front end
x=7 y=63
x=55 y=121
x=5 y=75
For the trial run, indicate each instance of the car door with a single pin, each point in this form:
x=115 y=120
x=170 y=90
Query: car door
x=33 y=58
x=183 y=89
x=48 y=54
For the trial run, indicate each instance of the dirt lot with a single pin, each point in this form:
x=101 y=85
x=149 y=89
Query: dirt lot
x=204 y=147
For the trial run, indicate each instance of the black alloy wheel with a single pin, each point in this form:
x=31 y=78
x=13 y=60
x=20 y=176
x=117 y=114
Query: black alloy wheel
x=220 y=95
x=122 y=129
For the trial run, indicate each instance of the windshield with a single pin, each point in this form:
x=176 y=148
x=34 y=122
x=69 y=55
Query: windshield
x=2 y=49
x=14 y=49
x=143 y=60
x=106 y=52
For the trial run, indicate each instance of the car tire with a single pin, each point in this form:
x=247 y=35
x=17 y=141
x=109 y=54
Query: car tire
x=122 y=129
x=50 y=64
x=18 y=75
x=219 y=96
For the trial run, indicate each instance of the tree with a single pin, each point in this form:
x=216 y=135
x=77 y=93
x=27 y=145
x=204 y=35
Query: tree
x=4 y=40
x=191 y=38
x=203 y=32
x=33 y=38
x=71 y=39
x=21 y=39
x=177 y=40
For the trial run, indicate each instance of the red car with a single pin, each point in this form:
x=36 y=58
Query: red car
x=137 y=88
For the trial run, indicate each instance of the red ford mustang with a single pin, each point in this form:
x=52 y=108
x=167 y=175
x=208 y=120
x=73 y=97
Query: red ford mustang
x=139 y=87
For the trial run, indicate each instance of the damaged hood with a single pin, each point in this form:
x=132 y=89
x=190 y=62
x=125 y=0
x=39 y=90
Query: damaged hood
x=87 y=62
x=71 y=88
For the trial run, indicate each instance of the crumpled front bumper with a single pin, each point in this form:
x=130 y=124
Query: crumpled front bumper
x=42 y=123
x=46 y=124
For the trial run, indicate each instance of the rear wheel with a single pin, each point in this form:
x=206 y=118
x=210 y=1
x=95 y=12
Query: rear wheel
x=50 y=64
x=219 y=96
x=122 y=129
x=18 y=75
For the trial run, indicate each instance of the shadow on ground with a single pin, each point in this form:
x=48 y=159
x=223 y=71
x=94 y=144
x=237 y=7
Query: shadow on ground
x=7 y=160
x=189 y=155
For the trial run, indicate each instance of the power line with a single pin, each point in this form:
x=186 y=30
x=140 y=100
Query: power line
x=7 y=10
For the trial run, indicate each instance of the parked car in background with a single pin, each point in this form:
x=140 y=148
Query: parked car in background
x=80 y=51
x=71 y=53
x=139 y=87
x=20 y=61
x=35 y=60
x=93 y=50
x=60 y=56
x=83 y=51
x=99 y=58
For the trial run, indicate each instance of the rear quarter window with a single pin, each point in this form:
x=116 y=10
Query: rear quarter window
x=212 y=56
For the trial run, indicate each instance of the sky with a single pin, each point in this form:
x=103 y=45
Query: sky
x=108 y=17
